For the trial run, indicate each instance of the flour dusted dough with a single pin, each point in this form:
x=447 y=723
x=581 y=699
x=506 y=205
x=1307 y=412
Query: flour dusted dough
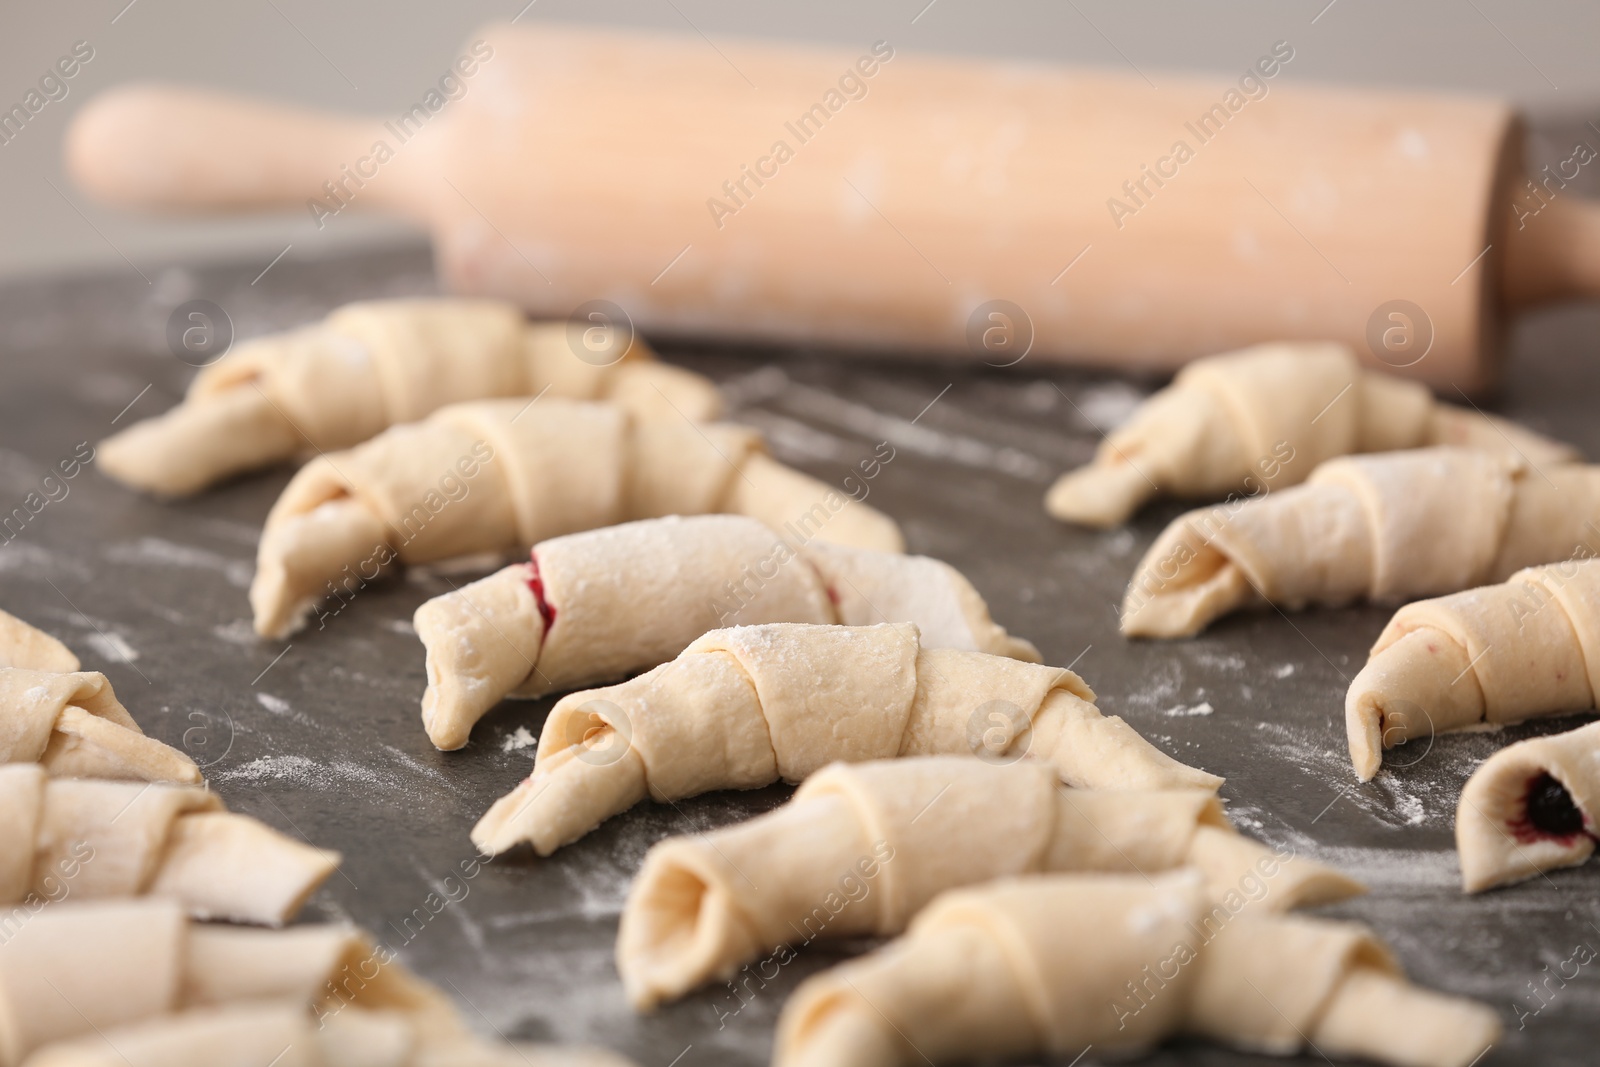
x=131 y=983
x=1501 y=653
x=1051 y=964
x=1385 y=527
x=491 y=476
x=369 y=366
x=863 y=847
x=273 y=1034
x=626 y=598
x=1529 y=808
x=1262 y=418
x=31 y=648
x=81 y=839
x=748 y=706
x=69 y=721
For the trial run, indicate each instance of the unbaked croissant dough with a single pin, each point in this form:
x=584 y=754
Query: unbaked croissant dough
x=1501 y=653
x=1529 y=808
x=369 y=366
x=32 y=649
x=1052 y=964
x=277 y=1034
x=607 y=603
x=863 y=847
x=1262 y=418
x=496 y=475
x=1387 y=527
x=69 y=721
x=133 y=983
x=744 y=707
x=81 y=839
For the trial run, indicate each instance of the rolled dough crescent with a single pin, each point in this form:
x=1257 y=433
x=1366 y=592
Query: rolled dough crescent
x=625 y=598
x=747 y=706
x=1261 y=419
x=863 y=847
x=371 y=365
x=285 y=1034
x=493 y=476
x=1499 y=653
x=1051 y=964
x=69 y=721
x=82 y=839
x=132 y=984
x=1384 y=527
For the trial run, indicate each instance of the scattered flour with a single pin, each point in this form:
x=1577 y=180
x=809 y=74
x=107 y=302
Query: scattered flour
x=237 y=632
x=21 y=556
x=303 y=771
x=1164 y=684
x=1120 y=542
x=113 y=646
x=276 y=705
x=1108 y=406
x=518 y=741
x=913 y=436
x=275 y=768
x=1284 y=671
x=157 y=551
x=795 y=440
x=400 y=626
x=1230 y=662
x=1188 y=711
x=355 y=772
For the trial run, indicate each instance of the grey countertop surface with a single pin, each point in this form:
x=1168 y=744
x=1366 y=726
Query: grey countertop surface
x=321 y=737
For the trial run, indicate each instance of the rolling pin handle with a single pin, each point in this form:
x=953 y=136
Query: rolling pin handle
x=1553 y=254
x=173 y=149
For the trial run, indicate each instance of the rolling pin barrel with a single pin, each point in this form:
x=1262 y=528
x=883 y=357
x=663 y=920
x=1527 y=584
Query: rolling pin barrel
x=871 y=199
x=169 y=149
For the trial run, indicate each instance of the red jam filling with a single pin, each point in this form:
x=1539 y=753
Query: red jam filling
x=1549 y=811
x=536 y=584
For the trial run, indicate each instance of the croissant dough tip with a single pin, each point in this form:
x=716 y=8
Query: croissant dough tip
x=1101 y=495
x=1364 y=732
x=661 y=960
x=495 y=832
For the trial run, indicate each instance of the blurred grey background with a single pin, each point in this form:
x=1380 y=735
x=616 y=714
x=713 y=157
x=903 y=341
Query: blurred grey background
x=373 y=57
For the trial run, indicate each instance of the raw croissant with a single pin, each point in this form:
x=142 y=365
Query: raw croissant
x=496 y=475
x=1385 y=527
x=607 y=603
x=863 y=847
x=132 y=984
x=747 y=706
x=369 y=366
x=1500 y=653
x=69 y=721
x=1052 y=964
x=81 y=839
x=129 y=960
x=271 y=1034
x=1529 y=808
x=1262 y=418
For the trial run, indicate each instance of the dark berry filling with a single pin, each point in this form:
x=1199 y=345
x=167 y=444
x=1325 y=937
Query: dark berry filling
x=1550 y=808
x=536 y=583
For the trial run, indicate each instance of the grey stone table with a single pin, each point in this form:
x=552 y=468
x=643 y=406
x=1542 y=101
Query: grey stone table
x=321 y=737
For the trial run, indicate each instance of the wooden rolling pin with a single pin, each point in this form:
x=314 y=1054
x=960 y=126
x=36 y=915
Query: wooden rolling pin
x=876 y=200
